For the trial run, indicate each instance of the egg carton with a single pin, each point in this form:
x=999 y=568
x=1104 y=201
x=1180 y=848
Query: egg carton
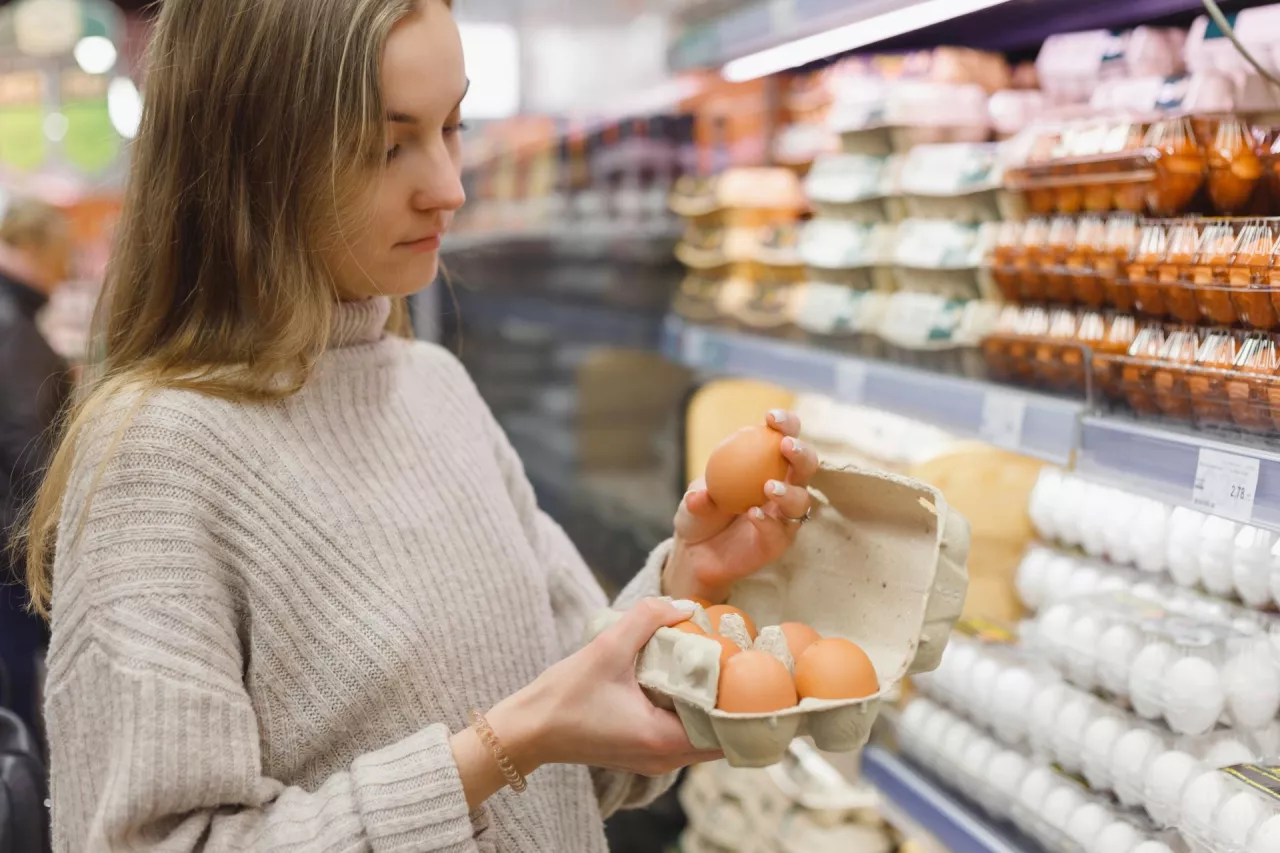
x=881 y=563
x=1233 y=810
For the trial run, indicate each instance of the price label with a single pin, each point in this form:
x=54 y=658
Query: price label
x=1226 y=485
x=851 y=381
x=692 y=346
x=1002 y=418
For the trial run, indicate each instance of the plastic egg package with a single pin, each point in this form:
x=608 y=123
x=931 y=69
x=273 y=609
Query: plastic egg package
x=1232 y=811
x=1223 y=557
x=1009 y=785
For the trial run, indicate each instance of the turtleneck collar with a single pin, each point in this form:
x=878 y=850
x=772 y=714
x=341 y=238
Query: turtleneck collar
x=356 y=323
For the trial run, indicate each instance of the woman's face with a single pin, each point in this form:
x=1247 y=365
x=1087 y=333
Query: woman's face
x=391 y=243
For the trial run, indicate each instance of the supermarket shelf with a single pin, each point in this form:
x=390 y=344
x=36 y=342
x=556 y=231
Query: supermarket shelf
x=1033 y=424
x=1163 y=462
x=579 y=323
x=753 y=25
x=924 y=810
x=616 y=242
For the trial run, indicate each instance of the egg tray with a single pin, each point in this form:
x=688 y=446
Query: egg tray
x=1239 y=813
x=881 y=563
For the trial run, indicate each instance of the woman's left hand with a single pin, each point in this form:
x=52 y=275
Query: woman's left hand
x=713 y=549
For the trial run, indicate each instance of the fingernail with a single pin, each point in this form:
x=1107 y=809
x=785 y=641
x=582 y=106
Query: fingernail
x=779 y=416
x=777 y=489
x=684 y=606
x=757 y=513
x=796 y=446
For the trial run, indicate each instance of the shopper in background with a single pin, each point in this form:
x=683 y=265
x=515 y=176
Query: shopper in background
x=293 y=551
x=34 y=257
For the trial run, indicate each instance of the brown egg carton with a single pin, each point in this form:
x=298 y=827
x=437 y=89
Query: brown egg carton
x=881 y=563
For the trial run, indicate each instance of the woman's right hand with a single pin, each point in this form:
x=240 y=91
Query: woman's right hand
x=589 y=709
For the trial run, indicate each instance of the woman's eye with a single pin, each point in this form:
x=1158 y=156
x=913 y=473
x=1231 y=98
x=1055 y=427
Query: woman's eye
x=393 y=152
x=455 y=128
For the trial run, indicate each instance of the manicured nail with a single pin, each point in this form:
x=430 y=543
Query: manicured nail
x=777 y=489
x=796 y=446
x=757 y=513
x=779 y=416
x=684 y=606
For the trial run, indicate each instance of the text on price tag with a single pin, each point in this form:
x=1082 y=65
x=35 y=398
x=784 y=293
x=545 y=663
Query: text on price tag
x=1225 y=485
x=1002 y=418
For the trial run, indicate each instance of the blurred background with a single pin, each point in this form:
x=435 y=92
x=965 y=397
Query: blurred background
x=1023 y=250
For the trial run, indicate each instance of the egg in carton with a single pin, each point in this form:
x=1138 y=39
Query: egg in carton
x=881 y=563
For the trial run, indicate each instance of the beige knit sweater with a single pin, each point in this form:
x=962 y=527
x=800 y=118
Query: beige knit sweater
x=275 y=615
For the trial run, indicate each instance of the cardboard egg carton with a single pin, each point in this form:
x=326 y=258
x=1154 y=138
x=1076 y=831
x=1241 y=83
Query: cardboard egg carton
x=881 y=563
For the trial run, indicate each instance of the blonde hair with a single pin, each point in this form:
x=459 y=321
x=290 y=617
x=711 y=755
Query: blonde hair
x=31 y=224
x=262 y=121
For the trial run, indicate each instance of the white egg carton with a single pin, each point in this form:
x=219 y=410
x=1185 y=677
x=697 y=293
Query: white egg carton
x=1232 y=810
x=881 y=563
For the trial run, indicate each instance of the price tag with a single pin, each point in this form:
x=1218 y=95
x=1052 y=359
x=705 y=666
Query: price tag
x=1002 y=418
x=692 y=346
x=1225 y=485
x=851 y=381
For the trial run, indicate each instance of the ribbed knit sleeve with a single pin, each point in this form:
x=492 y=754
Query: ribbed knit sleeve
x=154 y=742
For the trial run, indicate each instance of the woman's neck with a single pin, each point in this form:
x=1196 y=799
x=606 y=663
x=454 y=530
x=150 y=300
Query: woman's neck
x=363 y=322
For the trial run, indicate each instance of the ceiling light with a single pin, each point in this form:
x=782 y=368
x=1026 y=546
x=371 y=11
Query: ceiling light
x=493 y=64
x=95 y=54
x=844 y=39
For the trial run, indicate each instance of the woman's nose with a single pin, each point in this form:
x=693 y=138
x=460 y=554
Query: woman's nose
x=440 y=185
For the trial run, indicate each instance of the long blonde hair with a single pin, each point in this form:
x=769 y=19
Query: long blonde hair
x=262 y=122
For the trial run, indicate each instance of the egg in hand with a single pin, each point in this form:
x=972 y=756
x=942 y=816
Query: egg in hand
x=741 y=465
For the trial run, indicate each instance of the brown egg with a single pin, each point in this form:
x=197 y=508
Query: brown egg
x=835 y=668
x=799 y=637
x=754 y=682
x=728 y=648
x=720 y=610
x=706 y=605
x=689 y=628
x=741 y=465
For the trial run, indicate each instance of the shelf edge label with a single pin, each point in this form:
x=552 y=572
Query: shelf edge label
x=1003 y=416
x=1226 y=485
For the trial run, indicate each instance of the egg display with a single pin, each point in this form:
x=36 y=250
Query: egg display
x=741 y=465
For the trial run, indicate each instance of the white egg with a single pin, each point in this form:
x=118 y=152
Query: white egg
x=1093 y=520
x=1251 y=568
x=1217 y=546
x=1114 y=582
x=1082 y=651
x=1032 y=573
x=1252 y=686
x=1071 y=723
x=1193 y=696
x=1043 y=503
x=1118 y=527
x=1006 y=771
x=1146 y=677
x=1268 y=739
x=1148 y=536
x=1239 y=816
x=1086 y=824
x=1036 y=786
x=1200 y=800
x=1057 y=578
x=1227 y=752
x=957 y=741
x=957 y=660
x=979 y=755
x=1070 y=510
x=1152 y=847
x=1055 y=630
x=1182 y=552
x=1044 y=713
x=982 y=683
x=1167 y=774
x=1060 y=805
x=934 y=732
x=1084 y=581
x=1266 y=839
x=1147 y=591
x=1117 y=648
x=1129 y=761
x=916 y=715
x=1099 y=739
x=1014 y=691
x=1117 y=837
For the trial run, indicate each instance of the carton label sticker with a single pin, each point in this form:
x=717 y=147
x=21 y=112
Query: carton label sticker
x=1225 y=485
x=1264 y=780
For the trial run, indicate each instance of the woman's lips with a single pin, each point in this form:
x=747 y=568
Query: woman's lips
x=426 y=244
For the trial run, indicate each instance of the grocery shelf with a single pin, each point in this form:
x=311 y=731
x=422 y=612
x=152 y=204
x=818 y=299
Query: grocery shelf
x=745 y=27
x=924 y=810
x=616 y=242
x=580 y=323
x=1034 y=424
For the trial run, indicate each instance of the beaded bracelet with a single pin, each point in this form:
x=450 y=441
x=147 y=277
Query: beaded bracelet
x=509 y=772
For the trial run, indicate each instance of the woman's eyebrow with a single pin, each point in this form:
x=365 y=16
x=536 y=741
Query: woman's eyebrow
x=397 y=117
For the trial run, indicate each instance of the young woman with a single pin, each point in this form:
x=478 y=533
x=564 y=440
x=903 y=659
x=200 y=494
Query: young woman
x=291 y=553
